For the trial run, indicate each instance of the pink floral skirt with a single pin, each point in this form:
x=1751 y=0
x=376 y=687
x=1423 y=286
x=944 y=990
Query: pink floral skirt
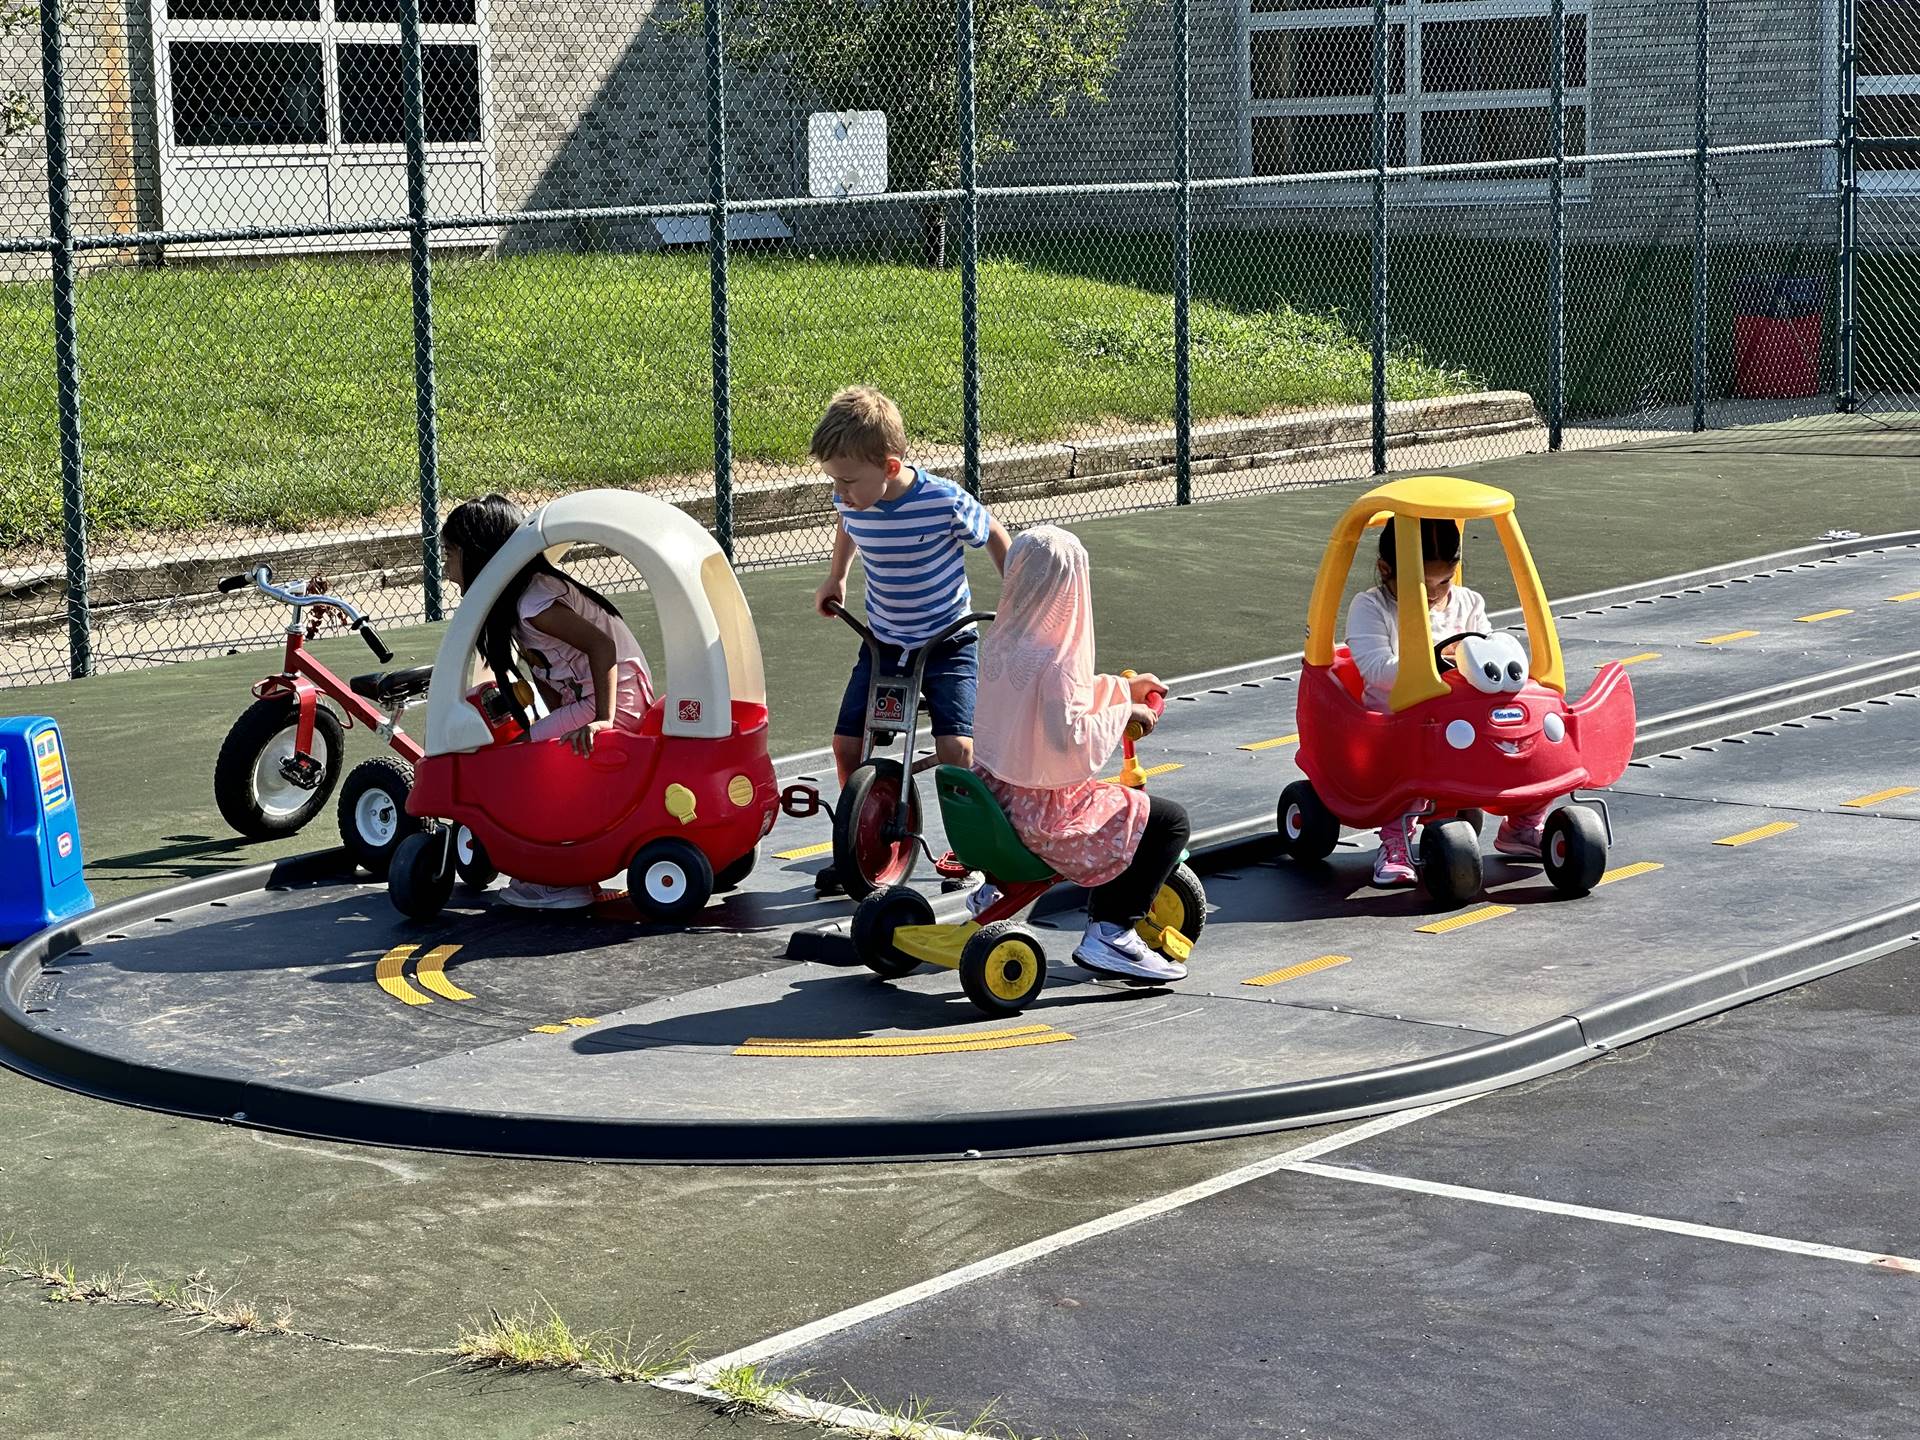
x=1088 y=832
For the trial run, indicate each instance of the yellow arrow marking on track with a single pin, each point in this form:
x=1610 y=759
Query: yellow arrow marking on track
x=431 y=973
x=805 y=852
x=1729 y=637
x=1272 y=744
x=387 y=975
x=1465 y=918
x=1759 y=832
x=1294 y=972
x=1627 y=872
x=1861 y=802
x=1819 y=615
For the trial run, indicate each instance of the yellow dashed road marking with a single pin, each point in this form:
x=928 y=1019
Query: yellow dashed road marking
x=1861 y=802
x=1819 y=615
x=431 y=973
x=1729 y=637
x=1640 y=659
x=583 y=1021
x=1294 y=972
x=1761 y=832
x=1627 y=872
x=387 y=975
x=1272 y=744
x=1899 y=599
x=895 y=1046
x=550 y=1029
x=1465 y=918
x=805 y=852
x=1151 y=771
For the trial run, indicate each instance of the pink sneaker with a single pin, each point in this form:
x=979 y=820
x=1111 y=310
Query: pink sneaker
x=1520 y=836
x=1394 y=864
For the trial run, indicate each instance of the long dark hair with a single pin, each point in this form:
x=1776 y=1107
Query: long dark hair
x=478 y=528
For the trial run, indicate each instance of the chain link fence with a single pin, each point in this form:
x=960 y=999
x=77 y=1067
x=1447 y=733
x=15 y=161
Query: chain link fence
x=282 y=280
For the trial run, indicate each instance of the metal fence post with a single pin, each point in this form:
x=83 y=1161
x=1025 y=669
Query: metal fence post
x=66 y=345
x=1379 y=237
x=425 y=405
x=1849 y=199
x=1702 y=123
x=1182 y=255
x=1557 y=232
x=969 y=247
x=717 y=275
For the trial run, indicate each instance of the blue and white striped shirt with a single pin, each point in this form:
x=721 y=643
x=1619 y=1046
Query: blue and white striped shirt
x=911 y=550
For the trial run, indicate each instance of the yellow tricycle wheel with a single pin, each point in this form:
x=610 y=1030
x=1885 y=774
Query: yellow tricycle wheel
x=1180 y=906
x=1003 y=968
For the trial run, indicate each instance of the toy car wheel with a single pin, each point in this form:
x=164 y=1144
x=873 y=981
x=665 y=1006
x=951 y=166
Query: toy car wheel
x=1003 y=967
x=1450 y=861
x=864 y=857
x=1574 y=849
x=1476 y=818
x=372 y=812
x=1308 y=830
x=875 y=921
x=420 y=876
x=251 y=785
x=1181 y=905
x=470 y=859
x=732 y=875
x=670 y=880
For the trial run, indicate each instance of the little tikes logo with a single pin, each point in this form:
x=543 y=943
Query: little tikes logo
x=1509 y=715
x=690 y=711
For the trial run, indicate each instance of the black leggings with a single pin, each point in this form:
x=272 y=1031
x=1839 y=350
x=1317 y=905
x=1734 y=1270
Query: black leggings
x=1125 y=899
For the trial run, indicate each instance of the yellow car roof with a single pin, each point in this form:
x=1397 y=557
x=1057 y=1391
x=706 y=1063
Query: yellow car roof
x=1437 y=497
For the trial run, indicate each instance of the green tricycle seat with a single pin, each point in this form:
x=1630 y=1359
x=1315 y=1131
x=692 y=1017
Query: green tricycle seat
x=979 y=831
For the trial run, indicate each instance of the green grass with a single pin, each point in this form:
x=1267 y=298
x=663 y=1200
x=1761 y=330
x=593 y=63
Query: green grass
x=282 y=395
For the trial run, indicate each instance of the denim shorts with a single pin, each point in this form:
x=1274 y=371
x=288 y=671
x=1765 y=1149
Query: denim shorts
x=947 y=686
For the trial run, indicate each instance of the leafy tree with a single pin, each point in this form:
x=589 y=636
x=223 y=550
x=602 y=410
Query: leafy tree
x=899 y=56
x=17 y=115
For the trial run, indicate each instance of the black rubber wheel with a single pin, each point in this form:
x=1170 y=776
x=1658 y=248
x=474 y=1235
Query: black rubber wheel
x=471 y=861
x=670 y=880
x=1574 y=849
x=1450 y=861
x=420 y=876
x=372 y=811
x=1002 y=968
x=254 y=797
x=1308 y=830
x=732 y=875
x=1477 y=819
x=875 y=921
x=1181 y=903
x=863 y=857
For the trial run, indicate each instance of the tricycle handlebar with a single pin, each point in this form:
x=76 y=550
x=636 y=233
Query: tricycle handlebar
x=972 y=617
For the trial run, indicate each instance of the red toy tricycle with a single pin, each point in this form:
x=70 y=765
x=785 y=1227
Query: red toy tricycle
x=680 y=806
x=1490 y=733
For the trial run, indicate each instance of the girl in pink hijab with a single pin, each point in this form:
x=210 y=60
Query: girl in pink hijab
x=1045 y=726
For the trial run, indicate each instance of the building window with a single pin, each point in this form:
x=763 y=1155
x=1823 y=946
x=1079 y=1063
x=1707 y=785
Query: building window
x=1467 y=82
x=289 y=112
x=1887 y=91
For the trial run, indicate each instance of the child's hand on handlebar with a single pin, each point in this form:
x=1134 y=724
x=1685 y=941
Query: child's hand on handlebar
x=1141 y=687
x=831 y=592
x=582 y=739
x=1142 y=720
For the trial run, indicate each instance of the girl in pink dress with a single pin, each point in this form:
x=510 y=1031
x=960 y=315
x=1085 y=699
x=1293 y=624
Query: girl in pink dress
x=1045 y=727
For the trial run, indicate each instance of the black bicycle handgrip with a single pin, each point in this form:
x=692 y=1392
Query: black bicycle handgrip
x=374 y=644
x=235 y=582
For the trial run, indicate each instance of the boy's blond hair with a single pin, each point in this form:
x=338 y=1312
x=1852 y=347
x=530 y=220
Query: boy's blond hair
x=860 y=424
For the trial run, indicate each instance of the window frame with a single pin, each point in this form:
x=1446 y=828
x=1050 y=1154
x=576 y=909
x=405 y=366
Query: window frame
x=1411 y=101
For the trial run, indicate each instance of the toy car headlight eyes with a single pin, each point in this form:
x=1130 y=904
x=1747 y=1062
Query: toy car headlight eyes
x=1493 y=664
x=1516 y=674
x=1492 y=672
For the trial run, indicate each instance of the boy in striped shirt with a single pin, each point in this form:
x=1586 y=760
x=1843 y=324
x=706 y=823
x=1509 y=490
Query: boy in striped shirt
x=910 y=529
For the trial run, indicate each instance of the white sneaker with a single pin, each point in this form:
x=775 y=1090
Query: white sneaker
x=1119 y=950
x=525 y=895
x=983 y=899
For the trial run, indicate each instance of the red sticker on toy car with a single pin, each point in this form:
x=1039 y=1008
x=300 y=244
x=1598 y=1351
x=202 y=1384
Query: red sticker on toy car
x=690 y=710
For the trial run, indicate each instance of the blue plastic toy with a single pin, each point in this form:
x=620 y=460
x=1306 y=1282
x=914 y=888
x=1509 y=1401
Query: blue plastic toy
x=41 y=880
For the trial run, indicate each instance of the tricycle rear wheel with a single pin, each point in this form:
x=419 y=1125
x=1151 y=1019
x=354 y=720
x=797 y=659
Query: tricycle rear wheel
x=670 y=880
x=1308 y=829
x=1574 y=849
x=372 y=812
x=420 y=877
x=875 y=921
x=1450 y=861
x=254 y=797
x=864 y=858
x=1002 y=968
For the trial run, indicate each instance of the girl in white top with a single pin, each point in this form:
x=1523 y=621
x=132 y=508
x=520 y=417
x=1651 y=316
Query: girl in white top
x=569 y=640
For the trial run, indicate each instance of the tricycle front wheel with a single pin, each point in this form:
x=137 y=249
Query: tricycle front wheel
x=1002 y=968
x=865 y=857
